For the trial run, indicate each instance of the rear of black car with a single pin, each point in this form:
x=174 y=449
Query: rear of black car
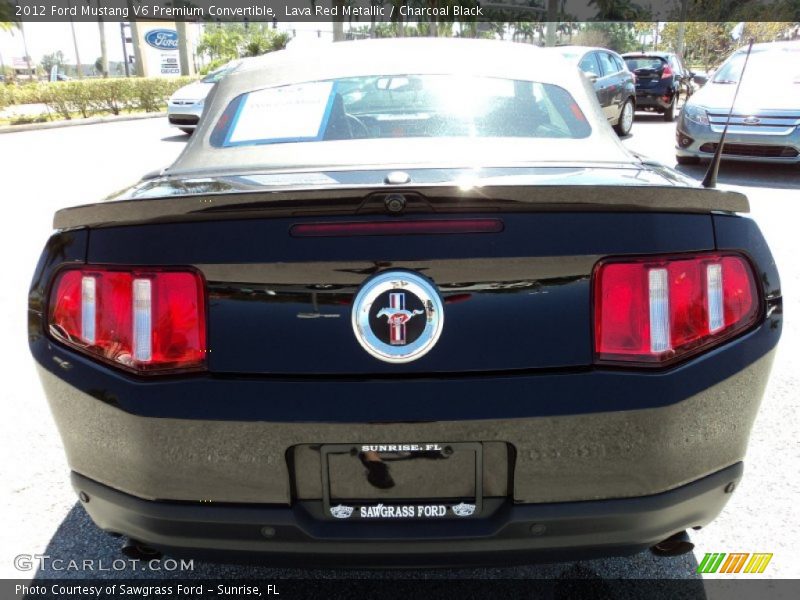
x=661 y=82
x=547 y=421
x=377 y=314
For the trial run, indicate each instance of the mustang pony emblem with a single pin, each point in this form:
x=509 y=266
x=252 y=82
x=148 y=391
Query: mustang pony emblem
x=385 y=312
x=397 y=316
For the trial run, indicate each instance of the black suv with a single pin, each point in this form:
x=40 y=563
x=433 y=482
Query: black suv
x=662 y=81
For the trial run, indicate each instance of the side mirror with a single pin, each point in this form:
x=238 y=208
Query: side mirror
x=592 y=77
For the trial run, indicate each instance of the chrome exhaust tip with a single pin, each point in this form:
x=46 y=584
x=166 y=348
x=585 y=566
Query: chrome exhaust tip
x=136 y=550
x=675 y=545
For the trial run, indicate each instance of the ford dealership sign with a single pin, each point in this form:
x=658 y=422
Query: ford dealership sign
x=162 y=39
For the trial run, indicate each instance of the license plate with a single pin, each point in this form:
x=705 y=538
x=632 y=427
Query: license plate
x=402 y=481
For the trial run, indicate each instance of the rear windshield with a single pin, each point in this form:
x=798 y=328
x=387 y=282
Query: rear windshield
x=407 y=106
x=645 y=62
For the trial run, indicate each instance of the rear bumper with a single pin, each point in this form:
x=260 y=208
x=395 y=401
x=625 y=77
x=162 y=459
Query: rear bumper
x=618 y=453
x=510 y=533
x=654 y=98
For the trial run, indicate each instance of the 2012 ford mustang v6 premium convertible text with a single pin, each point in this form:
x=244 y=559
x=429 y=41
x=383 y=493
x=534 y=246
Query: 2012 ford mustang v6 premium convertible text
x=412 y=303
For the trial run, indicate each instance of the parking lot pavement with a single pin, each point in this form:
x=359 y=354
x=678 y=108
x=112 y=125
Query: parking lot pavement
x=47 y=170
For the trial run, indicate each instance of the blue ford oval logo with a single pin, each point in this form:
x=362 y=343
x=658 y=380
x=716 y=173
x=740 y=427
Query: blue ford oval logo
x=163 y=39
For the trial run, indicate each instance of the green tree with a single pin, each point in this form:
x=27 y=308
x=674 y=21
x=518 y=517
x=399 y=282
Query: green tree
x=55 y=59
x=223 y=42
x=256 y=43
x=705 y=44
x=620 y=37
x=8 y=19
x=765 y=31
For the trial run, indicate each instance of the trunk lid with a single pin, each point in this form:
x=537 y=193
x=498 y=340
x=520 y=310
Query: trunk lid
x=514 y=298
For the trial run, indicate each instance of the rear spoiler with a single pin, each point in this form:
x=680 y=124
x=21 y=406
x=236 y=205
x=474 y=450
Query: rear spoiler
x=436 y=198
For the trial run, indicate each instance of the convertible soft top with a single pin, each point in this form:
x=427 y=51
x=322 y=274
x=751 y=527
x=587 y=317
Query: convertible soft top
x=392 y=57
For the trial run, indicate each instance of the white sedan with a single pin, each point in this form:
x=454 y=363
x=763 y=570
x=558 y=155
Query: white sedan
x=186 y=105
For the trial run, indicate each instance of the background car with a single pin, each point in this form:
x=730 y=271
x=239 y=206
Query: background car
x=186 y=104
x=765 y=123
x=613 y=82
x=662 y=81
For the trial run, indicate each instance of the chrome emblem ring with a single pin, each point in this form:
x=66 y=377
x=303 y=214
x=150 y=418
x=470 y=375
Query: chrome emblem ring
x=398 y=316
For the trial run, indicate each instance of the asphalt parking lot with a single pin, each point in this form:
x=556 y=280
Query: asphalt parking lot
x=47 y=170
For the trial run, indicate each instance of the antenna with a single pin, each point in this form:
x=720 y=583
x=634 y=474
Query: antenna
x=710 y=180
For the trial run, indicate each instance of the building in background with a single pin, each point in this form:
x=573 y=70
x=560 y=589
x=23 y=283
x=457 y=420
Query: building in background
x=23 y=68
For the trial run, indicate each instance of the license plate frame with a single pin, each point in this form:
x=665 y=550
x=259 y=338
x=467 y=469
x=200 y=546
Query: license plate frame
x=427 y=509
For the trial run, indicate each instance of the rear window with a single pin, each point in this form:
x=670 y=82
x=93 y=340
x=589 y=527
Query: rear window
x=407 y=106
x=644 y=62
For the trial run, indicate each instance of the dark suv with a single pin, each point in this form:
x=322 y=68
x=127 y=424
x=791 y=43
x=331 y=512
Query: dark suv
x=662 y=81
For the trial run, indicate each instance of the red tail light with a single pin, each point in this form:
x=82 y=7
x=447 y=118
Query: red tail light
x=142 y=320
x=657 y=310
x=667 y=72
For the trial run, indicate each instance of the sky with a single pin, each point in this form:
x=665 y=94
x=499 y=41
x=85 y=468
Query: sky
x=46 y=38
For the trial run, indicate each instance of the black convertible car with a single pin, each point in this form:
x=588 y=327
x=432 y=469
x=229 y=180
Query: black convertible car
x=410 y=304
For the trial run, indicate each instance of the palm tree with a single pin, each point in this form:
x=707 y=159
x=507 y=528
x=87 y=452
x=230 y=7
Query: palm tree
x=75 y=44
x=7 y=23
x=8 y=19
x=103 y=50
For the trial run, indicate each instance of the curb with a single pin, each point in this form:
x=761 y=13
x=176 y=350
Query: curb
x=79 y=122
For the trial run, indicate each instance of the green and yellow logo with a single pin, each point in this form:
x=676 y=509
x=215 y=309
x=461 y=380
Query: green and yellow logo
x=735 y=562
